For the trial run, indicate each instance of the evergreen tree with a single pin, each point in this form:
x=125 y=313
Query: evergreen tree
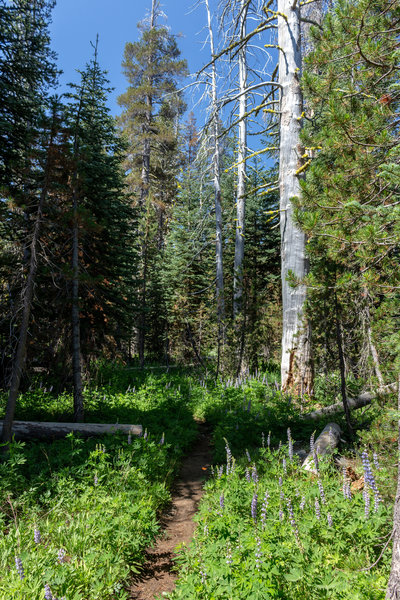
x=152 y=107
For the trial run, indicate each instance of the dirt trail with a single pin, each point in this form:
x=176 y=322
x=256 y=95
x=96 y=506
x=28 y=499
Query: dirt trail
x=178 y=526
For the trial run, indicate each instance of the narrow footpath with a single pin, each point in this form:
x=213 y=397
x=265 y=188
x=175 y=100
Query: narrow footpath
x=157 y=575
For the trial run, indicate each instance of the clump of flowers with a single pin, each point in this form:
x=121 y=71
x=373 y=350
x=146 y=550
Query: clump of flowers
x=20 y=567
x=36 y=536
x=290 y=443
x=254 y=503
x=61 y=556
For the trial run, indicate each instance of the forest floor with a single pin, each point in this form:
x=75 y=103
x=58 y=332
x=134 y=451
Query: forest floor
x=158 y=575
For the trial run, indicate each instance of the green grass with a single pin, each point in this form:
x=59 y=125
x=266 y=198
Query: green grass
x=96 y=500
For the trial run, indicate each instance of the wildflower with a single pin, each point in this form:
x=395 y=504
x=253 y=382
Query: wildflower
x=290 y=444
x=376 y=462
x=254 y=503
x=47 y=592
x=317 y=509
x=96 y=480
x=228 y=458
x=302 y=503
x=247 y=474
x=248 y=455
x=329 y=517
x=205 y=530
x=377 y=500
x=284 y=465
x=145 y=434
x=321 y=491
x=366 y=502
x=263 y=439
x=228 y=554
x=61 y=556
x=280 y=514
x=258 y=554
x=36 y=536
x=19 y=567
x=222 y=501
x=264 y=509
x=203 y=574
x=292 y=519
x=368 y=476
x=249 y=406
x=129 y=439
x=254 y=474
x=162 y=439
x=269 y=439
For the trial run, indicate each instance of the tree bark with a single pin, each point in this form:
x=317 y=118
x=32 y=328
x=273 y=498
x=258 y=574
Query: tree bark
x=393 y=589
x=342 y=366
x=42 y=430
x=293 y=241
x=241 y=173
x=363 y=399
x=20 y=356
x=220 y=299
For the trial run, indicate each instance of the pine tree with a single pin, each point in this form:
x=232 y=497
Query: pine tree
x=152 y=107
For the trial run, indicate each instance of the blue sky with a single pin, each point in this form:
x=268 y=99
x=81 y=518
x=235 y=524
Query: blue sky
x=76 y=23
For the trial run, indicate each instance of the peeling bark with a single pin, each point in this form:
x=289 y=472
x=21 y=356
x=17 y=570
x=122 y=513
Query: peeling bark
x=293 y=240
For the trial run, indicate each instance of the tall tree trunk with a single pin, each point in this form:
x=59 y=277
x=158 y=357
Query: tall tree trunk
x=20 y=355
x=75 y=318
x=293 y=241
x=393 y=589
x=241 y=184
x=342 y=366
x=217 y=196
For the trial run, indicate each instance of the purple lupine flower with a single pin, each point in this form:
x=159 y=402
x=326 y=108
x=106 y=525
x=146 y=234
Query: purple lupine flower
x=269 y=440
x=254 y=474
x=303 y=503
x=366 y=502
x=263 y=439
x=368 y=475
x=220 y=471
x=264 y=509
x=249 y=406
x=292 y=520
x=317 y=509
x=254 y=503
x=96 y=480
x=280 y=445
x=346 y=485
x=205 y=530
x=258 y=554
x=145 y=434
x=321 y=491
x=129 y=439
x=61 y=556
x=36 y=536
x=376 y=461
x=284 y=465
x=329 y=517
x=222 y=501
x=20 y=567
x=280 y=514
x=203 y=574
x=47 y=592
x=377 y=500
x=290 y=444
x=248 y=455
x=162 y=440
x=228 y=554
x=247 y=474
x=228 y=459
x=312 y=441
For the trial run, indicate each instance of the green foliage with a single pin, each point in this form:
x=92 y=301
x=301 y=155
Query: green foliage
x=96 y=500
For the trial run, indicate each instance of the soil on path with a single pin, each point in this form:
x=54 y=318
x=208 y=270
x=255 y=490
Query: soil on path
x=157 y=575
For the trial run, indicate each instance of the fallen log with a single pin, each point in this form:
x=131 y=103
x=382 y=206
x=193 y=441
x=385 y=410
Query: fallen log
x=363 y=399
x=325 y=443
x=42 y=430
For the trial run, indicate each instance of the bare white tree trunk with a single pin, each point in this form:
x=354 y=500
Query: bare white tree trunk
x=295 y=340
x=217 y=189
x=241 y=183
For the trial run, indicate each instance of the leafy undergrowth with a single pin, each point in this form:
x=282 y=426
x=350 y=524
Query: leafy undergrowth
x=76 y=515
x=269 y=529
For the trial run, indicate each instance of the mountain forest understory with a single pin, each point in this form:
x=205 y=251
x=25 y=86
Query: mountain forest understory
x=219 y=261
